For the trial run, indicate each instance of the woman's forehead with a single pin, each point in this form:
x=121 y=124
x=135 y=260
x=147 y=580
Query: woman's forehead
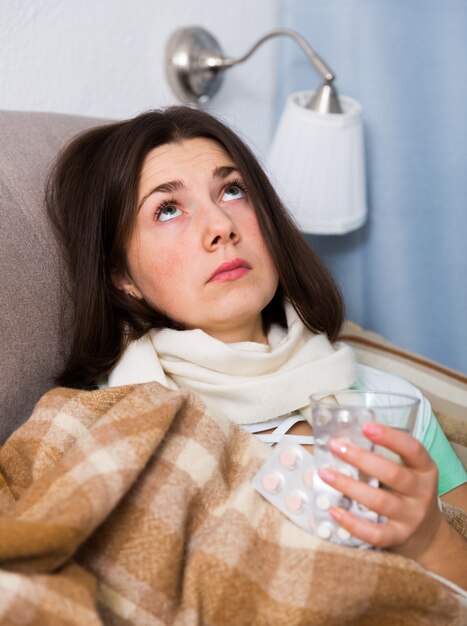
x=180 y=159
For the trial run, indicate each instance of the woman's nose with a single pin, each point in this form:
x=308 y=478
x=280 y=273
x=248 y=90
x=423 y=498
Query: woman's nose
x=219 y=227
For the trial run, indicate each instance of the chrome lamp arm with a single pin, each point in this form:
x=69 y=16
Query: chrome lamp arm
x=195 y=63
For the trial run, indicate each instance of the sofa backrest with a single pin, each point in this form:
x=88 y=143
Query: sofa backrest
x=29 y=271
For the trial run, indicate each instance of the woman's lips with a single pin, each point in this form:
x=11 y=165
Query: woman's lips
x=230 y=270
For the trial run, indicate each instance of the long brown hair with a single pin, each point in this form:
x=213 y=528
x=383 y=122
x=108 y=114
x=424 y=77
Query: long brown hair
x=91 y=200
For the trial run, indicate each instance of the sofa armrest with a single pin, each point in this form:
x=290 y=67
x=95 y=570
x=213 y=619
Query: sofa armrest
x=445 y=389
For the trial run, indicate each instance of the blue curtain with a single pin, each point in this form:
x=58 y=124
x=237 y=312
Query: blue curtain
x=404 y=274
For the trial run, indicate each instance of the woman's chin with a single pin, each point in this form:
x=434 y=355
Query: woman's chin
x=234 y=328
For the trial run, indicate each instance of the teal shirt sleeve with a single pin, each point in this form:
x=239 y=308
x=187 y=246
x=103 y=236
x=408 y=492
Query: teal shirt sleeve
x=451 y=471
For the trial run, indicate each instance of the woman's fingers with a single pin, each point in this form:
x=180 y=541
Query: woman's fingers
x=380 y=535
x=377 y=500
x=411 y=451
x=391 y=474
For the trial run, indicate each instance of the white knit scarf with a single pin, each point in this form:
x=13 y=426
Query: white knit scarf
x=246 y=382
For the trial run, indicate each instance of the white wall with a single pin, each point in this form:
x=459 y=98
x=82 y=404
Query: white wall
x=105 y=58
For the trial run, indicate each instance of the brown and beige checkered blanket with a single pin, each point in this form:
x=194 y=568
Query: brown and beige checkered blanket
x=133 y=506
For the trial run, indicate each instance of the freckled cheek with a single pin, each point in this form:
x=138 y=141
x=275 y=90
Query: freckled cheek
x=256 y=239
x=250 y=228
x=166 y=267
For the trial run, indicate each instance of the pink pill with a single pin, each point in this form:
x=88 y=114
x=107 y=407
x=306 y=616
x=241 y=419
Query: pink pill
x=272 y=482
x=294 y=502
x=289 y=458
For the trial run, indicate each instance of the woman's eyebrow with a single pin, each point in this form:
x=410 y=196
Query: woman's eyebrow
x=223 y=171
x=169 y=187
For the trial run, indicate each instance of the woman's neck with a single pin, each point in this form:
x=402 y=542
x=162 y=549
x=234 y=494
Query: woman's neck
x=252 y=332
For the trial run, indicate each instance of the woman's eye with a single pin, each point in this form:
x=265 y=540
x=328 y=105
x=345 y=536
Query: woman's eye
x=167 y=213
x=233 y=192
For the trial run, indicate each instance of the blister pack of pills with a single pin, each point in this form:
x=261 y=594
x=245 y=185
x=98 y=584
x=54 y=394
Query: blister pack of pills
x=289 y=478
x=344 y=424
x=286 y=480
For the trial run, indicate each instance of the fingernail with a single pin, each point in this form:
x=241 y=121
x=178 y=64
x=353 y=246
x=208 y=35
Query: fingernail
x=372 y=429
x=336 y=514
x=338 y=446
x=327 y=475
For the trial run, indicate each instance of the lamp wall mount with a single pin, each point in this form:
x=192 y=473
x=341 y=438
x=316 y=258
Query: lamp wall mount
x=195 y=65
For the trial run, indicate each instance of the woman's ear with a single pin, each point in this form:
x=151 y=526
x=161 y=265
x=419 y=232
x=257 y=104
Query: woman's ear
x=124 y=283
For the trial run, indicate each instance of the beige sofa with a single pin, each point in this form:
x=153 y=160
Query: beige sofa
x=31 y=347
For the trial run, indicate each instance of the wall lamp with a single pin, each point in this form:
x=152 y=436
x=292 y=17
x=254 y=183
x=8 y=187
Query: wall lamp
x=316 y=159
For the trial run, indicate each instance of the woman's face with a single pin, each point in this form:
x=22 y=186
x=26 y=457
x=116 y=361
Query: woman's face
x=196 y=251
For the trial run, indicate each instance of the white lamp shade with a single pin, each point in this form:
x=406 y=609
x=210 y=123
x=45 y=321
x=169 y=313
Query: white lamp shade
x=316 y=162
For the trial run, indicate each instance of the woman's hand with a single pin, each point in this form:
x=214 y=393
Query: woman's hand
x=415 y=526
x=409 y=501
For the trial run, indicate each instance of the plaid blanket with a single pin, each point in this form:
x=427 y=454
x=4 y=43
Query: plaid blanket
x=133 y=506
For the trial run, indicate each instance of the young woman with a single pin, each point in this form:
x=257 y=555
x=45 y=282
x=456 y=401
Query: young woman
x=186 y=269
